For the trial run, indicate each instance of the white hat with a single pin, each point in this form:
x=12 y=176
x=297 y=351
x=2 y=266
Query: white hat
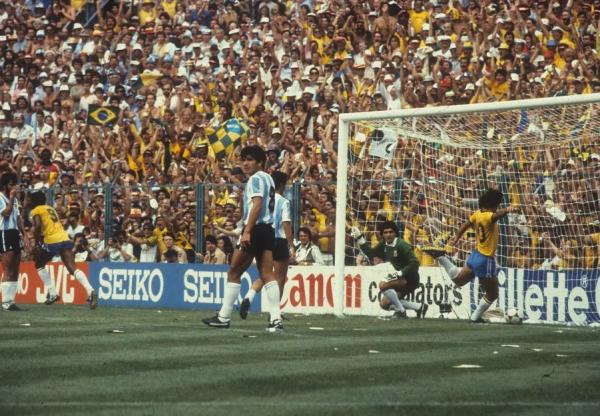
x=449 y=94
x=121 y=47
x=264 y=20
x=43 y=75
x=294 y=65
x=2 y=38
x=77 y=26
x=47 y=83
x=234 y=31
x=429 y=40
x=425 y=26
x=376 y=64
x=276 y=131
x=309 y=90
x=388 y=77
x=137 y=47
x=440 y=16
x=443 y=37
x=64 y=88
x=470 y=87
x=558 y=28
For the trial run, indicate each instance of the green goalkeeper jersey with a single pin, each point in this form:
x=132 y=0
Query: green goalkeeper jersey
x=399 y=253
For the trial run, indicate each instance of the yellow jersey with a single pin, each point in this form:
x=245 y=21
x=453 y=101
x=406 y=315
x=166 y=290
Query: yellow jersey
x=52 y=229
x=487 y=232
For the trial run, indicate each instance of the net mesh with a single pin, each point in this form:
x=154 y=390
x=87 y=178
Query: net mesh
x=426 y=173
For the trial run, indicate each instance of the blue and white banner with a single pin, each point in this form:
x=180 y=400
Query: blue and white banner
x=179 y=286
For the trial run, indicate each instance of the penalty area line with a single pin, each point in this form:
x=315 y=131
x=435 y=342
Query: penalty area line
x=295 y=403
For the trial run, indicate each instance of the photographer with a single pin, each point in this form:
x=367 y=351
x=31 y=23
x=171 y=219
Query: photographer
x=82 y=249
x=118 y=249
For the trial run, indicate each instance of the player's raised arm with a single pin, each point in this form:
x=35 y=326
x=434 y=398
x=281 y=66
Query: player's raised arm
x=503 y=212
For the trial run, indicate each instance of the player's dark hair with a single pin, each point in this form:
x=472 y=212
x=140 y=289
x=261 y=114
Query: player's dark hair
x=279 y=178
x=37 y=198
x=386 y=225
x=255 y=152
x=7 y=178
x=490 y=199
x=211 y=239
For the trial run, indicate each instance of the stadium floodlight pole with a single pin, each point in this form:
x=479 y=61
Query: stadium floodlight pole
x=344 y=123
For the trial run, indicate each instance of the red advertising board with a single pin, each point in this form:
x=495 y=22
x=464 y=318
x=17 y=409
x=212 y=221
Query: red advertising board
x=31 y=289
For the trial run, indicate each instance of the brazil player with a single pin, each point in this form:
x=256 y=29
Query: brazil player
x=12 y=238
x=481 y=262
x=284 y=242
x=52 y=240
x=256 y=242
x=400 y=268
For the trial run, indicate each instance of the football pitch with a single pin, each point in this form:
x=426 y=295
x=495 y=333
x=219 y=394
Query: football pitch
x=69 y=360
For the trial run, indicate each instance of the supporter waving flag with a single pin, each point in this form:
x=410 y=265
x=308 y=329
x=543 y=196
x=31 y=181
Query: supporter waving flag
x=227 y=137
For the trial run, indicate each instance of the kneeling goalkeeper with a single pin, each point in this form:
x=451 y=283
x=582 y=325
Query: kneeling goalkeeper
x=400 y=269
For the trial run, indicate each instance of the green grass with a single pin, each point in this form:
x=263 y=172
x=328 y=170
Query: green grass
x=166 y=362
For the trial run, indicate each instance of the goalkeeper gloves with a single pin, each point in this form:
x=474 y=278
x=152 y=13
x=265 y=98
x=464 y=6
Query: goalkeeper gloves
x=357 y=235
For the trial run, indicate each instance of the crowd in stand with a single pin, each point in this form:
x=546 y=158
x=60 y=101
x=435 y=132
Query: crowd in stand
x=176 y=68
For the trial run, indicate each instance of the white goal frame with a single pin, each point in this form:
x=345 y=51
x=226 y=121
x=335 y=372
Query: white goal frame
x=346 y=119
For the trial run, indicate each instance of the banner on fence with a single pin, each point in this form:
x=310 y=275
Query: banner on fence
x=541 y=295
x=183 y=286
x=30 y=288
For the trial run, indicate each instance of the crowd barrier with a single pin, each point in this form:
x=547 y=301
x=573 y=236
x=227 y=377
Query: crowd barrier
x=541 y=295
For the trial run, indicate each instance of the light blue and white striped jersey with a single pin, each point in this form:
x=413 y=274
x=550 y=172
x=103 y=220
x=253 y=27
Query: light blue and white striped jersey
x=10 y=222
x=260 y=184
x=282 y=214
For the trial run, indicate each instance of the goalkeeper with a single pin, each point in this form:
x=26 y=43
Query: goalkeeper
x=400 y=269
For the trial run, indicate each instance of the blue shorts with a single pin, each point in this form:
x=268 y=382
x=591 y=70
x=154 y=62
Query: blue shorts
x=56 y=248
x=482 y=266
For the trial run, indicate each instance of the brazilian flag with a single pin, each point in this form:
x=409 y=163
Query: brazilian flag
x=227 y=137
x=102 y=115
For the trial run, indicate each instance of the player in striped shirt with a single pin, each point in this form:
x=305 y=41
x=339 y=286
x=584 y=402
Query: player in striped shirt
x=12 y=237
x=256 y=242
x=284 y=242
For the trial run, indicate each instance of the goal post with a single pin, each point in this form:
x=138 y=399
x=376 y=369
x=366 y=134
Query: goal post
x=542 y=153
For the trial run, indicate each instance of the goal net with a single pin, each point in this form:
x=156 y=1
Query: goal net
x=425 y=169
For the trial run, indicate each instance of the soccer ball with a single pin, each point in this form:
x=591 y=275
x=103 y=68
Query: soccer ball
x=513 y=316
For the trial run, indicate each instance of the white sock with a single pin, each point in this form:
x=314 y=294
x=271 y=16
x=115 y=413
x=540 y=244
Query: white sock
x=232 y=291
x=250 y=295
x=48 y=282
x=410 y=305
x=392 y=296
x=82 y=278
x=271 y=289
x=450 y=268
x=9 y=290
x=481 y=308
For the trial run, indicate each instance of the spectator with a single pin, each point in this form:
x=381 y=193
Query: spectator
x=175 y=69
x=307 y=252
x=214 y=255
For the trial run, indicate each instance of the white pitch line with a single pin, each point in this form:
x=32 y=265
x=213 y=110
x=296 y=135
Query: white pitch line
x=346 y=404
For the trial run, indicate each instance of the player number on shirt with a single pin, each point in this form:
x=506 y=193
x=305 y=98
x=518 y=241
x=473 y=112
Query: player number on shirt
x=482 y=234
x=271 y=199
x=52 y=214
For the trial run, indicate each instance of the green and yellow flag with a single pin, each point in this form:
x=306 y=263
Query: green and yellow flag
x=227 y=137
x=102 y=115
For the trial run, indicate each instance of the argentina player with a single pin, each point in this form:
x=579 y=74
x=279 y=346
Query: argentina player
x=11 y=239
x=257 y=241
x=284 y=242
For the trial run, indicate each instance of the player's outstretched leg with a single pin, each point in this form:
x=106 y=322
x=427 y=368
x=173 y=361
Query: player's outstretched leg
x=239 y=263
x=68 y=258
x=41 y=257
x=490 y=287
